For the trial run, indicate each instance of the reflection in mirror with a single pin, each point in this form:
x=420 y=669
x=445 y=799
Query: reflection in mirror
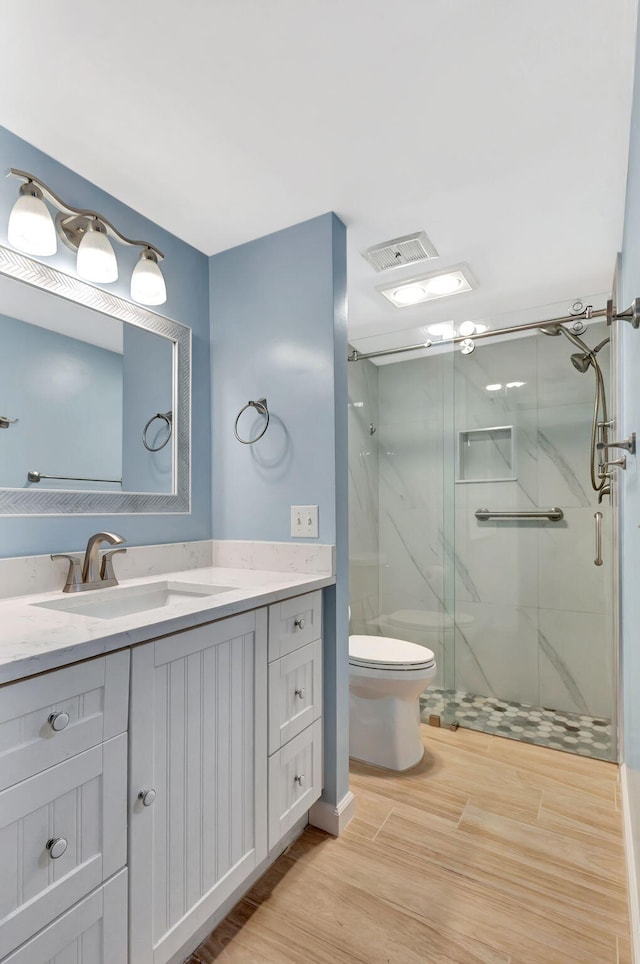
x=81 y=403
x=82 y=391
x=94 y=398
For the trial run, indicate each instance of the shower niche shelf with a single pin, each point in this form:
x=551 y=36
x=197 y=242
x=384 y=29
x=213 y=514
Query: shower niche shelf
x=486 y=455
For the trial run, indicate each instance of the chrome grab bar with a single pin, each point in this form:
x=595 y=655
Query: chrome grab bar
x=553 y=515
x=598 y=559
x=35 y=476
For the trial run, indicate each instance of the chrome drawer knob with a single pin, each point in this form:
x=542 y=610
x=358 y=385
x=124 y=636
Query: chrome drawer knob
x=300 y=693
x=299 y=623
x=300 y=780
x=56 y=847
x=147 y=797
x=58 y=721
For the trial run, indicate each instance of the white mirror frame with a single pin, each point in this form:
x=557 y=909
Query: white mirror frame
x=23 y=502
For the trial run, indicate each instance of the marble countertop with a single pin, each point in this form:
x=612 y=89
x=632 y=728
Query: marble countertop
x=34 y=639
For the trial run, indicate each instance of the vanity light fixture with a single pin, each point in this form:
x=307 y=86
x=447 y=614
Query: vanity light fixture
x=493 y=388
x=32 y=230
x=415 y=291
x=147 y=280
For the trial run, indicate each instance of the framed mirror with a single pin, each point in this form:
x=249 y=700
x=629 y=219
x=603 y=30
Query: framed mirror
x=95 y=398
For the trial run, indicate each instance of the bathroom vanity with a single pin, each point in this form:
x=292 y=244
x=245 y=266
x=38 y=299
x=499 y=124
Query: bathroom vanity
x=152 y=764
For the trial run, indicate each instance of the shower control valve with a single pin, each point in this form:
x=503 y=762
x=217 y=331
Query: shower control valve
x=629 y=444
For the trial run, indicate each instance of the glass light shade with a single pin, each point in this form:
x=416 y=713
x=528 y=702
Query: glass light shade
x=31 y=228
x=96 y=258
x=147 y=281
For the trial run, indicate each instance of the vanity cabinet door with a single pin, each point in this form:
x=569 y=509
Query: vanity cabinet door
x=62 y=833
x=94 y=931
x=198 y=732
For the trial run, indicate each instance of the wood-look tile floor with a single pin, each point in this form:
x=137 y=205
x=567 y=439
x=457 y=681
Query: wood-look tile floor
x=488 y=851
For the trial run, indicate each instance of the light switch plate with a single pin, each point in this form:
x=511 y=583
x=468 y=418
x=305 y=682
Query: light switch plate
x=304 y=521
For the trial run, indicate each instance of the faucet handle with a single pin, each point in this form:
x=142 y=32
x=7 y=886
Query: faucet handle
x=74 y=575
x=106 y=570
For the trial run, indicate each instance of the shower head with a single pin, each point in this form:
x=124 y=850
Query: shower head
x=583 y=361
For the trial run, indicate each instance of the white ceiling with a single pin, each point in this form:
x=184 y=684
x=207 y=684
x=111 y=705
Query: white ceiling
x=500 y=127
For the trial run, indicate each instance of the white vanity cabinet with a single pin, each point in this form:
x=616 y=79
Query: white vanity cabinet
x=295 y=710
x=120 y=847
x=63 y=780
x=198 y=777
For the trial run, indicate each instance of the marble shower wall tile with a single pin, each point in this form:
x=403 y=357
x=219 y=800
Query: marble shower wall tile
x=496 y=651
x=363 y=494
x=564 y=434
x=567 y=576
x=496 y=561
x=576 y=662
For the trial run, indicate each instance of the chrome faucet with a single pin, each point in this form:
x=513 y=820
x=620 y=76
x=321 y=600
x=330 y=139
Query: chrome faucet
x=97 y=571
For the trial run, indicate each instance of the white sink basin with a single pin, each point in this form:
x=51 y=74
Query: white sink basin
x=124 y=601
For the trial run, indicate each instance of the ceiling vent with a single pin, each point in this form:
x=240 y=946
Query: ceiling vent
x=411 y=249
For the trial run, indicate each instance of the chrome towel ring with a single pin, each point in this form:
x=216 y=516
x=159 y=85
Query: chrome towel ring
x=165 y=417
x=262 y=409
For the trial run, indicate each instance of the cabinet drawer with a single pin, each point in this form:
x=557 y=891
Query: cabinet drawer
x=294 y=623
x=91 y=700
x=295 y=693
x=81 y=803
x=295 y=780
x=92 y=932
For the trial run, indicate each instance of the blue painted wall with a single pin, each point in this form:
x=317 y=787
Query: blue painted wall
x=278 y=330
x=67 y=395
x=629 y=367
x=186 y=272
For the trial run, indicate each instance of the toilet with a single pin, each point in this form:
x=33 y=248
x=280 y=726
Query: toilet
x=386 y=678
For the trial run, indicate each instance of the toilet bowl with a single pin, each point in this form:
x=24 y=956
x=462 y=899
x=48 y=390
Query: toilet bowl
x=386 y=678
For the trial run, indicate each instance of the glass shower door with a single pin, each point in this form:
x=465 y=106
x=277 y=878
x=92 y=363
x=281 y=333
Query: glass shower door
x=533 y=648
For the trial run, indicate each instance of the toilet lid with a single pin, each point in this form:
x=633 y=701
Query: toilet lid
x=384 y=652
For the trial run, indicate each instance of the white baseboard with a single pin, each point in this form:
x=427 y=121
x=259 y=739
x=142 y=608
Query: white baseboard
x=334 y=819
x=630 y=855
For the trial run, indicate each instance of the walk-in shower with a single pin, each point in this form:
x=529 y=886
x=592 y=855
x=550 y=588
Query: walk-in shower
x=472 y=526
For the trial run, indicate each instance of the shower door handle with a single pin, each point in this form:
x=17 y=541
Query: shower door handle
x=598 y=559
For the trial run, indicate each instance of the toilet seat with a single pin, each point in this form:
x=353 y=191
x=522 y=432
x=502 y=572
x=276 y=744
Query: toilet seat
x=387 y=653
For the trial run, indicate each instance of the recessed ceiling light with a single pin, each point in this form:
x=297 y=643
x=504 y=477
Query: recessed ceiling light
x=443 y=329
x=446 y=284
x=493 y=388
x=515 y=384
x=410 y=295
x=415 y=291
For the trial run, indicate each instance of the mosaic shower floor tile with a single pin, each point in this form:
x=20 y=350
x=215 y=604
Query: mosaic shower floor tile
x=572 y=732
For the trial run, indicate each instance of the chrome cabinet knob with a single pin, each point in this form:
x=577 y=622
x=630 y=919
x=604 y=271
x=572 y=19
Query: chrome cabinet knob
x=56 y=847
x=147 y=797
x=300 y=693
x=58 y=721
x=299 y=623
x=300 y=779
